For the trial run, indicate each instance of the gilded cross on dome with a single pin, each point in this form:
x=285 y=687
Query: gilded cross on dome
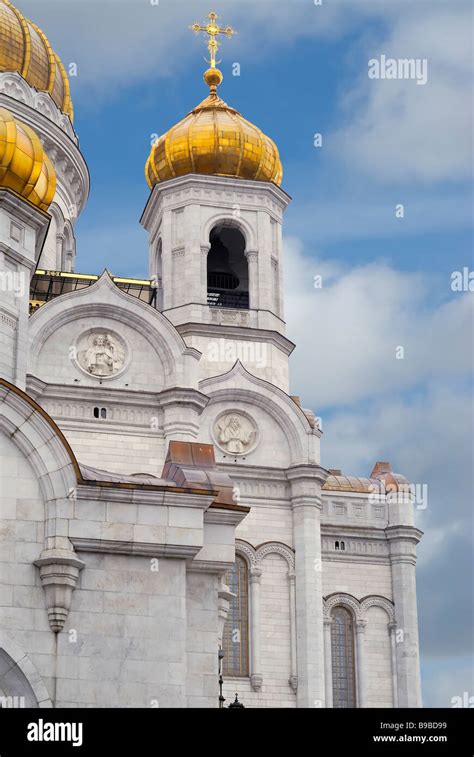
x=213 y=30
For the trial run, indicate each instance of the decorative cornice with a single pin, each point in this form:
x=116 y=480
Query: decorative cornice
x=143 y=549
x=197 y=182
x=237 y=332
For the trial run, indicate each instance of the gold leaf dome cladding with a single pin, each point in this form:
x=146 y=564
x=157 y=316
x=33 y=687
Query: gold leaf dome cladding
x=26 y=49
x=214 y=139
x=24 y=166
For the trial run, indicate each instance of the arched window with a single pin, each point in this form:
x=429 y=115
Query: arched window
x=342 y=651
x=227 y=269
x=156 y=273
x=235 y=640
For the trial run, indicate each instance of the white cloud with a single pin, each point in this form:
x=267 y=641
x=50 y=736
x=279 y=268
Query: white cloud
x=363 y=213
x=416 y=413
x=361 y=315
x=455 y=681
x=402 y=131
x=116 y=43
x=119 y=42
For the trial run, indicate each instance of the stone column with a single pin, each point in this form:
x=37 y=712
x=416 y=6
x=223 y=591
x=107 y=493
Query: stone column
x=204 y=253
x=225 y=597
x=392 y=629
x=360 y=664
x=306 y=482
x=328 y=661
x=256 y=679
x=252 y=261
x=294 y=665
x=60 y=258
x=403 y=541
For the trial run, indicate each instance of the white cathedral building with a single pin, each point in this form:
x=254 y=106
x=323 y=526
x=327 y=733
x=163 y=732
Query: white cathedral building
x=164 y=513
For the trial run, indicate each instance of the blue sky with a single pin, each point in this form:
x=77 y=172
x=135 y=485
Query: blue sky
x=386 y=280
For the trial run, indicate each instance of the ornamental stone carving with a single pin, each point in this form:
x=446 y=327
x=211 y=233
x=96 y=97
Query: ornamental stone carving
x=101 y=353
x=235 y=433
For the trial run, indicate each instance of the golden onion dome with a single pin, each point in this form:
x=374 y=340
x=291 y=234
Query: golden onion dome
x=214 y=139
x=24 y=166
x=26 y=49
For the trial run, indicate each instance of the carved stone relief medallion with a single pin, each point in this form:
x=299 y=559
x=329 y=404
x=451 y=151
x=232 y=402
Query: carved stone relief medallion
x=235 y=433
x=101 y=353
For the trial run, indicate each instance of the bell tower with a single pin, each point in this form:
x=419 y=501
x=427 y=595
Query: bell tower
x=214 y=218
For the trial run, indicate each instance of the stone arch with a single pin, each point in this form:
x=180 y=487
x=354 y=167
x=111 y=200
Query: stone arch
x=225 y=218
x=238 y=385
x=374 y=600
x=105 y=300
x=344 y=600
x=276 y=547
x=245 y=550
x=18 y=675
x=45 y=448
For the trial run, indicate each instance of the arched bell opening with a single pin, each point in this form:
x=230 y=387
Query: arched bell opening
x=227 y=269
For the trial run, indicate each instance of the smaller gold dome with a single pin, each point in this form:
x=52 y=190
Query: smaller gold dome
x=214 y=139
x=24 y=166
x=26 y=49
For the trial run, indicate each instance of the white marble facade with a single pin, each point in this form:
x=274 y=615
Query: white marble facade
x=117 y=524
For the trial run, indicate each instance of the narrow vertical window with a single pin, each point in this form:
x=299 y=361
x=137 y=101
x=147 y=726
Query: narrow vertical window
x=235 y=640
x=342 y=650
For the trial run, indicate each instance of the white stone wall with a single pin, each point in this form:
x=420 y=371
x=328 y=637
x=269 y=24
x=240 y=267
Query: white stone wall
x=201 y=676
x=378 y=659
x=262 y=359
x=266 y=522
x=357 y=578
x=272 y=447
x=131 y=634
x=135 y=636
x=56 y=364
x=22 y=607
x=116 y=451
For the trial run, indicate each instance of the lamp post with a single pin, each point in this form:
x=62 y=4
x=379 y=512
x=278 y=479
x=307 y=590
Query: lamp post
x=221 y=680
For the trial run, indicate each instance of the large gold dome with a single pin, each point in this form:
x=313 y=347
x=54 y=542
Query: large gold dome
x=26 y=49
x=214 y=139
x=24 y=166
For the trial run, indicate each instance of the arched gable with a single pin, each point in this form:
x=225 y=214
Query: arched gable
x=284 y=433
x=157 y=351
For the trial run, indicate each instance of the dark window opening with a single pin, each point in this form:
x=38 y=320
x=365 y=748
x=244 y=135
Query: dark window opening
x=235 y=640
x=343 y=659
x=227 y=269
x=100 y=412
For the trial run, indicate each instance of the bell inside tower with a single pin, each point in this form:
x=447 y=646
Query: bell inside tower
x=227 y=269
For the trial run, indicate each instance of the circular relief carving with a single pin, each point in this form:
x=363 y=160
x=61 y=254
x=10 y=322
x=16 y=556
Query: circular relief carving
x=235 y=433
x=101 y=353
